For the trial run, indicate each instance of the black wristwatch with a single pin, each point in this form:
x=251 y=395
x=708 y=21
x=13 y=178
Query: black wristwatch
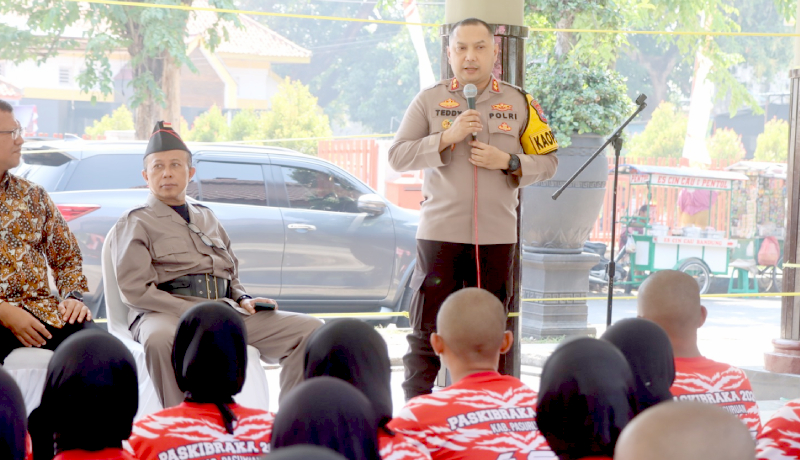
x=77 y=295
x=242 y=297
x=513 y=164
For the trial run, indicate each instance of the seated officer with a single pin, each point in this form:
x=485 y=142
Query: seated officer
x=171 y=254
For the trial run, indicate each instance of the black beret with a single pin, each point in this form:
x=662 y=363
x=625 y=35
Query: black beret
x=165 y=138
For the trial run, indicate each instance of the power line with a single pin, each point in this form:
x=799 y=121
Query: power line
x=701 y=33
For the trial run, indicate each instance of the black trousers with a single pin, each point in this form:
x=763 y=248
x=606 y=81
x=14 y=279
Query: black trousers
x=442 y=269
x=9 y=342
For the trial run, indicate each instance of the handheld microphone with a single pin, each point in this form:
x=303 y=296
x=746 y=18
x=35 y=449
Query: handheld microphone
x=470 y=93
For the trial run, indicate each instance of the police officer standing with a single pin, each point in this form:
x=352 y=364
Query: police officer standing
x=475 y=161
x=170 y=254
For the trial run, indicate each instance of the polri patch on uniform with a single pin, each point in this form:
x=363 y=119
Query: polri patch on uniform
x=449 y=104
x=446 y=124
x=535 y=105
x=502 y=107
x=504 y=126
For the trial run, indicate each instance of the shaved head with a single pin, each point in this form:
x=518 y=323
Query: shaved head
x=671 y=299
x=472 y=323
x=686 y=431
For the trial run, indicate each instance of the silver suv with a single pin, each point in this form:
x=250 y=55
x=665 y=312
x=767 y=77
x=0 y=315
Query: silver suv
x=306 y=232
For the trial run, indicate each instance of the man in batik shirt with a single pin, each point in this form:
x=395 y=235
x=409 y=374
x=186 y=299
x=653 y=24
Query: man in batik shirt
x=33 y=236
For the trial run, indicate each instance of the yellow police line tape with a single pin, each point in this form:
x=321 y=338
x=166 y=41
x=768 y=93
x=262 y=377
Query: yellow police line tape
x=110 y=148
x=517 y=314
x=424 y=24
x=788 y=265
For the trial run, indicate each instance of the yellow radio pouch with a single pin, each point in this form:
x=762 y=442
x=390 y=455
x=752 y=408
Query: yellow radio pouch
x=537 y=138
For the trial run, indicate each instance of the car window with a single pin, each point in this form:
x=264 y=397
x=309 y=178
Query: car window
x=235 y=183
x=319 y=189
x=106 y=172
x=46 y=176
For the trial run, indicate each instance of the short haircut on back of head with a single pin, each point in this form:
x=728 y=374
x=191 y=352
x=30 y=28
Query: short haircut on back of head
x=472 y=22
x=671 y=299
x=472 y=323
x=6 y=107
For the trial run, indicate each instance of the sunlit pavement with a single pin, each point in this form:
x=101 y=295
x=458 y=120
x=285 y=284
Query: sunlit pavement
x=738 y=331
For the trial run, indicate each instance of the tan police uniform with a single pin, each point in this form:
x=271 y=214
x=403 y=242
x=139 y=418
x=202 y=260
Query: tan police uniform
x=152 y=245
x=446 y=259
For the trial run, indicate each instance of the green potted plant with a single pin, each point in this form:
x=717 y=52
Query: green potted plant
x=583 y=102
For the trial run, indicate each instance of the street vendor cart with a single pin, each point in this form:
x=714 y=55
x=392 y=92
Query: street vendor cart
x=698 y=251
x=758 y=213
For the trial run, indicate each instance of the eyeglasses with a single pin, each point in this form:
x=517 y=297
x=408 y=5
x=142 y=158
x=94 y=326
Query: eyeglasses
x=14 y=133
x=203 y=237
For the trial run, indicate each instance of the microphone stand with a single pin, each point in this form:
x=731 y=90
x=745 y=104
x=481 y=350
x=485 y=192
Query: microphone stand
x=616 y=141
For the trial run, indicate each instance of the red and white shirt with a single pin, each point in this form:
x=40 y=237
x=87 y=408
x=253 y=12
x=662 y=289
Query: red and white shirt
x=196 y=431
x=485 y=416
x=701 y=379
x=399 y=447
x=780 y=438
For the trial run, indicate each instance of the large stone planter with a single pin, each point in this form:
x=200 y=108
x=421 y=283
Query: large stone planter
x=561 y=226
x=552 y=234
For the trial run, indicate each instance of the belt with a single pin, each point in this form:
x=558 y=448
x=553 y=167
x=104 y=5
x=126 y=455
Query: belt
x=205 y=286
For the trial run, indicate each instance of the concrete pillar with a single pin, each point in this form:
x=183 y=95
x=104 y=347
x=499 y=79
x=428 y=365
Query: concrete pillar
x=785 y=358
x=507 y=19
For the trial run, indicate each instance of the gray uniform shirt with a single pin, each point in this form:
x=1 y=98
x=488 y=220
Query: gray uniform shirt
x=447 y=212
x=153 y=245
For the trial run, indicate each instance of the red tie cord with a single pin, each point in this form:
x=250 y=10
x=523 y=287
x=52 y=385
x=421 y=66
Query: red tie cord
x=475 y=220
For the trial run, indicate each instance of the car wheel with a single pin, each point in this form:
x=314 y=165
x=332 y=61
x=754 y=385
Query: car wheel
x=698 y=270
x=405 y=303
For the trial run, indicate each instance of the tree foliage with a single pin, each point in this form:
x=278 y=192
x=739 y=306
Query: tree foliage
x=210 y=126
x=243 y=125
x=294 y=114
x=152 y=37
x=773 y=143
x=725 y=144
x=366 y=73
x=664 y=135
x=582 y=99
x=121 y=119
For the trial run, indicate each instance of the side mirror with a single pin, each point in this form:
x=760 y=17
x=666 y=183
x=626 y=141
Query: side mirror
x=371 y=204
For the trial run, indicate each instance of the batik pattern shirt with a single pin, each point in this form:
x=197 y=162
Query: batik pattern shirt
x=196 y=431
x=780 y=438
x=33 y=236
x=485 y=416
x=703 y=380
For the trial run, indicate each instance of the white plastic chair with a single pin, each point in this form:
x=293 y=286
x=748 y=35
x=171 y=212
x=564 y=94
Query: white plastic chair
x=255 y=392
x=28 y=367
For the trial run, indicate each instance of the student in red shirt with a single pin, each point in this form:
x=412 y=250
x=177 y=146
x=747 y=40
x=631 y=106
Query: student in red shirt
x=353 y=351
x=88 y=402
x=328 y=412
x=780 y=438
x=671 y=299
x=14 y=439
x=483 y=415
x=648 y=351
x=209 y=356
x=587 y=395
x=685 y=431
